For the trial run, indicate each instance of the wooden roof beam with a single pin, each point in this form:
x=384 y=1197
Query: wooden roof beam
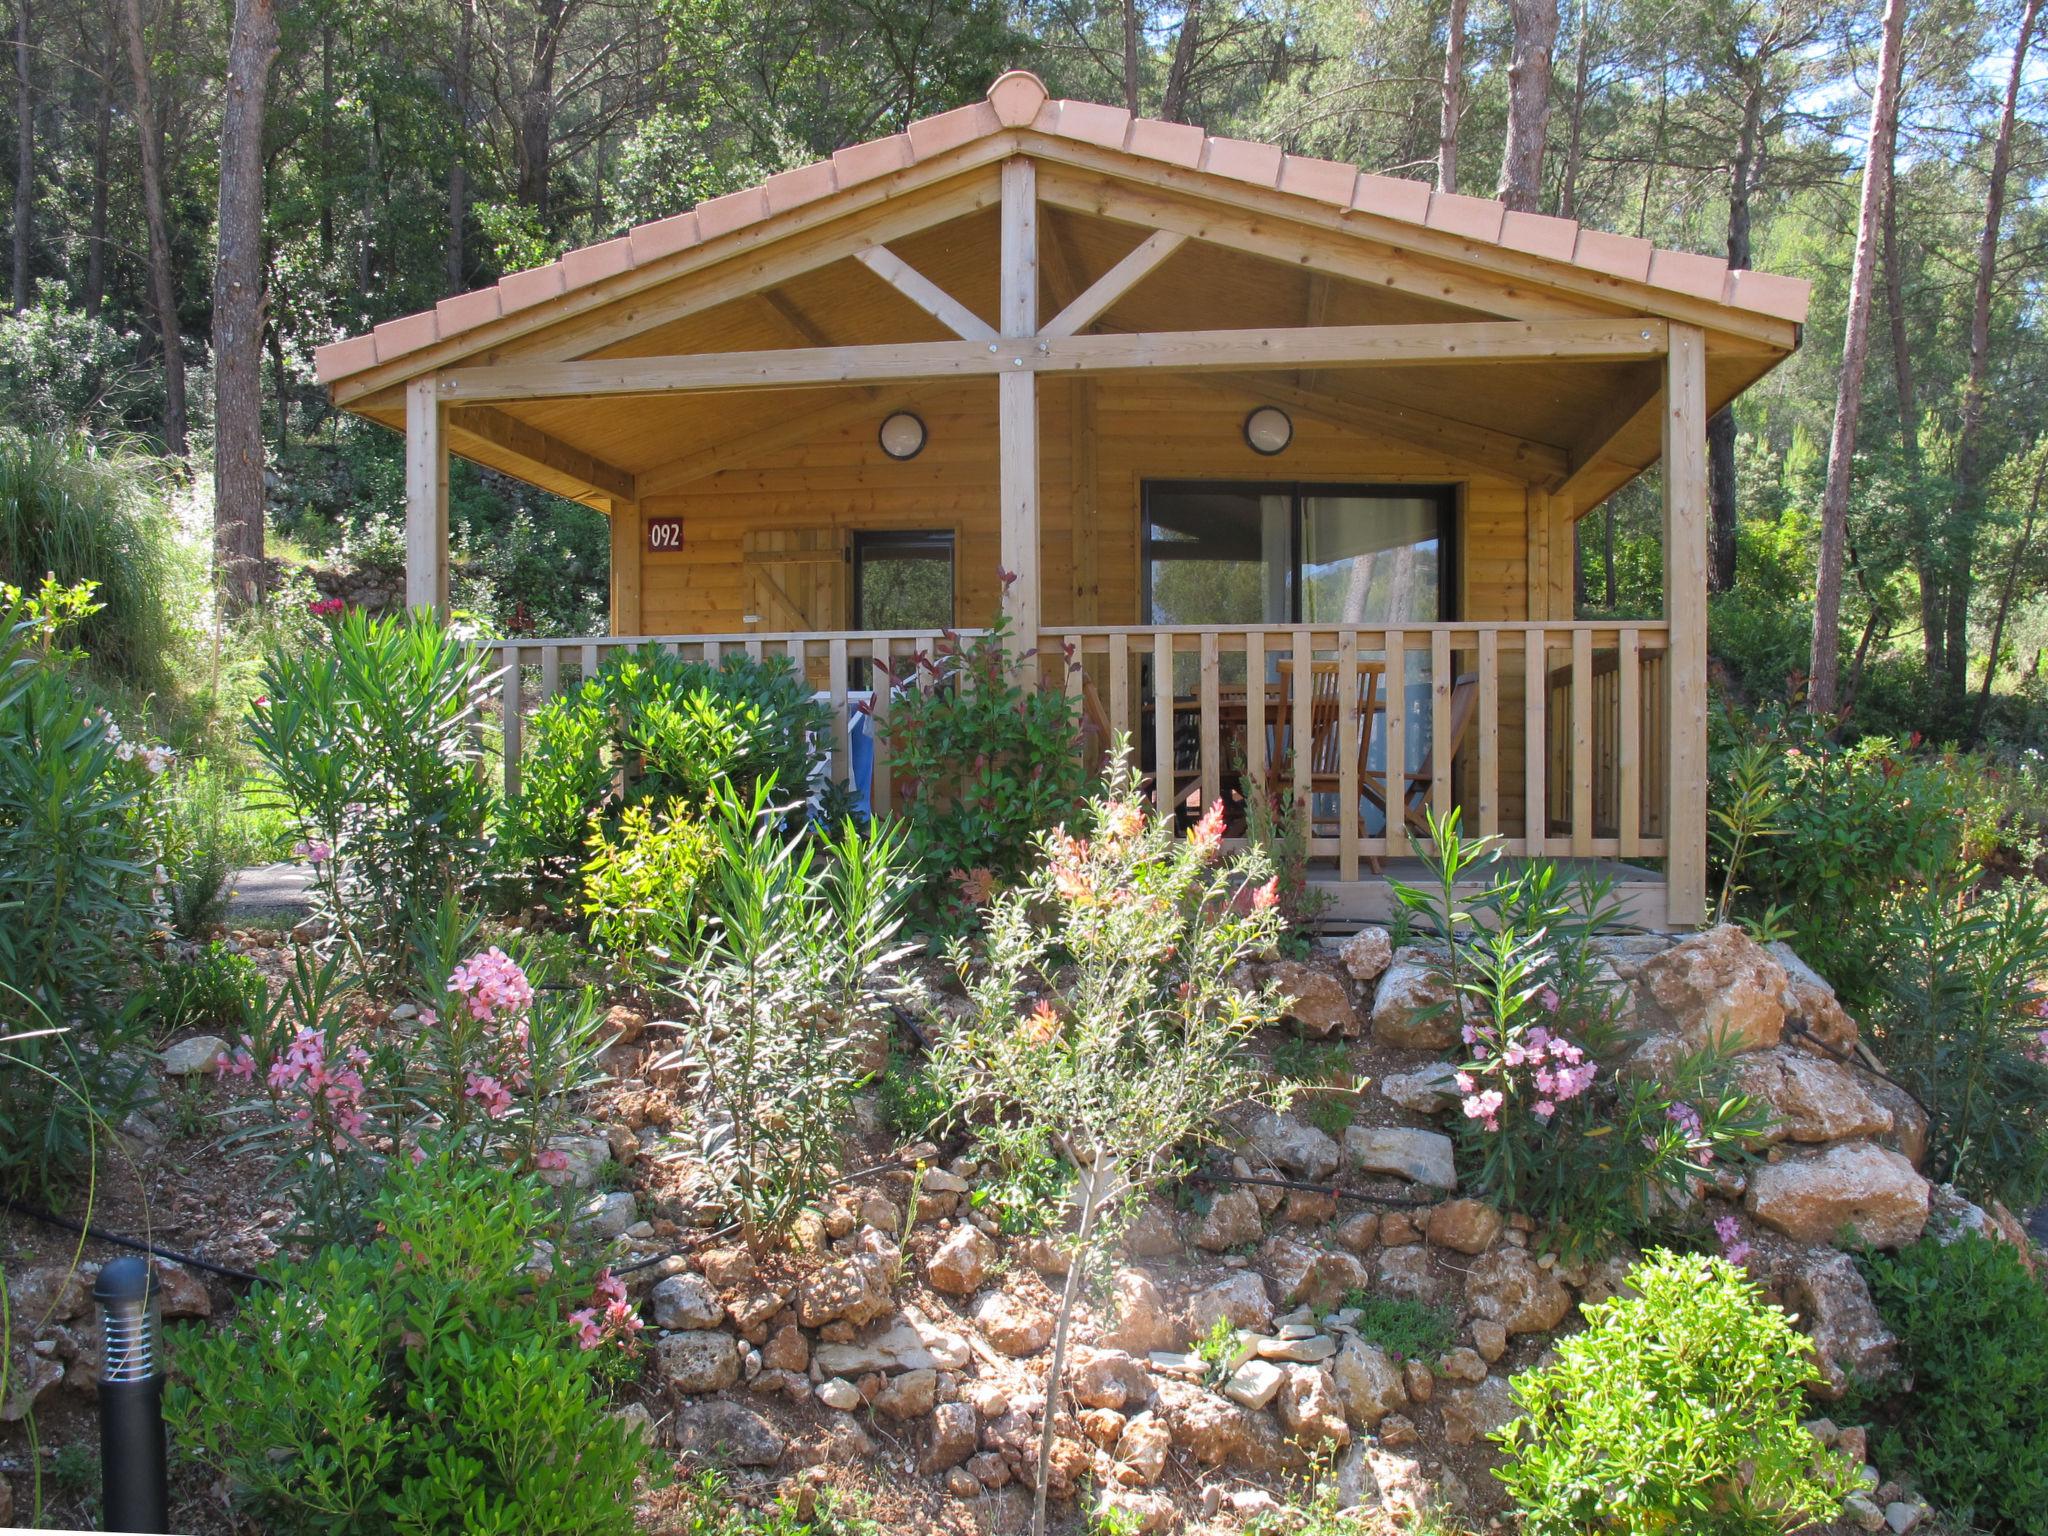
x=521 y=440
x=1335 y=346
x=924 y=293
x=1630 y=414
x=1084 y=308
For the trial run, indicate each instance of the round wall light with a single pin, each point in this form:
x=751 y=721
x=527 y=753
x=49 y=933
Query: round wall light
x=902 y=435
x=1268 y=430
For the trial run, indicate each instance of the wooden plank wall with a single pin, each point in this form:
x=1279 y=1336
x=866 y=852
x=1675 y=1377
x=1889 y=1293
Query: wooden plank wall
x=1511 y=542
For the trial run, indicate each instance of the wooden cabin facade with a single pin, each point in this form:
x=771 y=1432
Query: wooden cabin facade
x=1248 y=434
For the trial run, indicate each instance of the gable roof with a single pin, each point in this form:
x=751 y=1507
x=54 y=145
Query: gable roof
x=1018 y=104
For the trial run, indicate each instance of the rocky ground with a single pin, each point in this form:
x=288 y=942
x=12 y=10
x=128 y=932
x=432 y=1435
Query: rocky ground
x=899 y=1350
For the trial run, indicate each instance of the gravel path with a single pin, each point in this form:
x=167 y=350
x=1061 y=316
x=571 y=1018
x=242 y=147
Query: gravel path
x=271 y=891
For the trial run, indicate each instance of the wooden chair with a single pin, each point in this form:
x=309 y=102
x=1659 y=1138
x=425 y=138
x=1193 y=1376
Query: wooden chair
x=1325 y=734
x=1416 y=786
x=1095 y=724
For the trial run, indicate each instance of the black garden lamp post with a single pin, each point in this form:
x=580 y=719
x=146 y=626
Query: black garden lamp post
x=134 y=1487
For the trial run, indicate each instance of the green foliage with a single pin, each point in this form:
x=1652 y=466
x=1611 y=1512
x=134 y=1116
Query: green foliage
x=1970 y=1317
x=1405 y=1328
x=429 y=1380
x=1547 y=1129
x=1676 y=1409
x=1959 y=977
x=1311 y=1061
x=64 y=372
x=565 y=774
x=370 y=738
x=214 y=988
x=1219 y=1350
x=1025 y=1185
x=640 y=887
x=1329 y=1113
x=80 y=835
x=1274 y=820
x=985 y=760
x=209 y=833
x=913 y=1103
x=91 y=515
x=709 y=1509
x=791 y=980
x=685 y=727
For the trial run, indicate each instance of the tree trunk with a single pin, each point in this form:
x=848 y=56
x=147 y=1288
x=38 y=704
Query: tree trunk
x=102 y=144
x=1521 y=164
x=1969 y=474
x=1575 y=125
x=24 y=153
x=458 y=173
x=1130 y=17
x=163 y=292
x=1607 y=553
x=1824 y=657
x=1090 y=1204
x=238 y=311
x=1174 y=106
x=1453 y=99
x=1927 y=568
x=2012 y=578
x=1721 y=428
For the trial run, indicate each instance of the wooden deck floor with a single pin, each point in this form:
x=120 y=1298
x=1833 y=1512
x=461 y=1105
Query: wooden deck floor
x=1370 y=899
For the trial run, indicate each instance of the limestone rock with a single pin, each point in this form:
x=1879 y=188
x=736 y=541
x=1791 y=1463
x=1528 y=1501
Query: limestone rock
x=1367 y=953
x=1469 y=1226
x=1462 y=1365
x=1368 y=1382
x=194 y=1057
x=841 y=1290
x=841 y=1394
x=1413 y=1010
x=1508 y=1287
x=703 y=1361
x=1719 y=985
x=1108 y=1378
x=1253 y=1384
x=1153 y=1234
x=1233 y=1220
x=1314 y=999
x=955 y=1435
x=607 y=1215
x=685 y=1301
x=1811 y=1000
x=1407 y=1271
x=1472 y=1413
x=1810 y=1097
x=787 y=1350
x=1856 y=1185
x=1239 y=1299
x=1421 y=1156
x=181 y=1293
x=961 y=1262
x=1213 y=1429
x=1428 y=1090
x=1143 y=1514
x=910 y=1395
x=1358 y=1232
x=585 y=1156
x=1014 y=1326
x=1325 y=1282
x=1908 y=1135
x=49 y=1293
x=726 y=1268
x=1309 y=1410
x=727 y=1432
x=1142 y=1448
x=1850 y=1338
x=1297 y=1150
x=1143 y=1323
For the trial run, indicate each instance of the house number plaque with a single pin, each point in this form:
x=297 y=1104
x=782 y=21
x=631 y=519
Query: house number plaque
x=664 y=535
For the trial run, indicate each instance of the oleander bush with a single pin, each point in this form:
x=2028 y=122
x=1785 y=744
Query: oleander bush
x=1970 y=1318
x=435 y=1378
x=1676 y=1409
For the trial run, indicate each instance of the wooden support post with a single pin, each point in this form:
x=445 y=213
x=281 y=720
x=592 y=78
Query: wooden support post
x=1017 y=401
x=628 y=545
x=426 y=498
x=1685 y=608
x=1081 y=513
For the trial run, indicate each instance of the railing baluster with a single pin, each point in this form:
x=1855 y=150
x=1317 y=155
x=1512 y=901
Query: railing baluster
x=1119 y=689
x=1255 y=710
x=1211 y=727
x=1535 y=706
x=550 y=671
x=513 y=726
x=714 y=652
x=1440 y=690
x=1489 y=733
x=1298 y=722
x=842 y=730
x=1582 y=743
x=1347 y=755
x=1628 y=744
x=880 y=683
x=1162 y=722
x=1396 y=776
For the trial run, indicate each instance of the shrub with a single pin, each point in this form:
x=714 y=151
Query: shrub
x=80 y=835
x=683 y=727
x=371 y=740
x=565 y=774
x=985 y=761
x=209 y=834
x=1676 y=1409
x=435 y=1379
x=1970 y=1318
x=1543 y=1130
x=485 y=1073
x=779 y=1004
x=1961 y=1018
x=640 y=888
x=214 y=988
x=1106 y=1014
x=1274 y=820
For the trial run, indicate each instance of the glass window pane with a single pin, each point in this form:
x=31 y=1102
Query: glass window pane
x=1370 y=560
x=1218 y=555
x=904 y=581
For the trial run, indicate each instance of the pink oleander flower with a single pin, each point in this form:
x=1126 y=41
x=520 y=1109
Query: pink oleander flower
x=1729 y=1231
x=1485 y=1107
x=490 y=982
x=238 y=1062
x=551 y=1160
x=1548 y=999
x=313 y=853
x=1543 y=1109
x=489 y=1093
x=326 y=607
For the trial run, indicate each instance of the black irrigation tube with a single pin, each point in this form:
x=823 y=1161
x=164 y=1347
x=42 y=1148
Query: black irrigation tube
x=95 y=1234
x=1204 y=1176
x=1847 y=1058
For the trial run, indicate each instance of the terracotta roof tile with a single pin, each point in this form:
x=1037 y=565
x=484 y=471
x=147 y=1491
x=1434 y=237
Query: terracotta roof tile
x=1243 y=160
x=523 y=290
x=1621 y=255
x=864 y=162
x=1539 y=234
x=1093 y=123
x=735 y=210
x=406 y=334
x=1769 y=293
x=792 y=189
x=1016 y=96
x=465 y=311
x=1392 y=197
x=1703 y=277
x=949 y=130
x=1175 y=143
x=1477 y=218
x=664 y=237
x=1327 y=181
x=339 y=359
x=593 y=263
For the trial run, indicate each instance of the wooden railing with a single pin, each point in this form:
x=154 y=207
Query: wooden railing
x=1584 y=746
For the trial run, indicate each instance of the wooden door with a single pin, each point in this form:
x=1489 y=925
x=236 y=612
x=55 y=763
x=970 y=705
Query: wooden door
x=797 y=578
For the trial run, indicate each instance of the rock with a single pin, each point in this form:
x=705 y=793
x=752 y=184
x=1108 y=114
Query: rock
x=879 y=1211
x=1211 y=1428
x=194 y=1057
x=1314 y=999
x=917 y=1341
x=1358 y=1232
x=685 y=1301
x=962 y=1484
x=605 y=1216
x=727 y=1432
x=55 y=1293
x=1462 y=1365
x=1108 y=1378
x=841 y=1290
x=726 y=1268
x=1233 y=1220
x=1368 y=1382
x=1854 y=1185
x=1472 y=1413
x=1142 y=1448
x=1143 y=1323
x=910 y=1395
x=180 y=1293
x=1302 y=1351
x=956 y=1434
x=1812 y=1002
x=841 y=1394
x=1407 y=1271
x=1854 y=1346
x=787 y=1350
x=1013 y=1326
x=1428 y=1090
x=989 y=1469
x=1908 y=1135
x=1489 y=1339
x=585 y=1156
x=1253 y=1384
x=1412 y=1011
x=1423 y=1157
x=1901 y=1517
x=702 y=1361
x=1152 y=1234
x=1719 y=985
x=1239 y=1299
x=30 y=1375
x=1810 y=1098
x=751 y=1306
x=1140 y=1514
x=1367 y=953
x=1324 y=1284
x=1297 y=1150
x=1863 y=1512
x=1469 y=1226
x=623 y=1026
x=1419 y=1380
x=961 y=1262
x=1508 y=1287
x=1309 y=1410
